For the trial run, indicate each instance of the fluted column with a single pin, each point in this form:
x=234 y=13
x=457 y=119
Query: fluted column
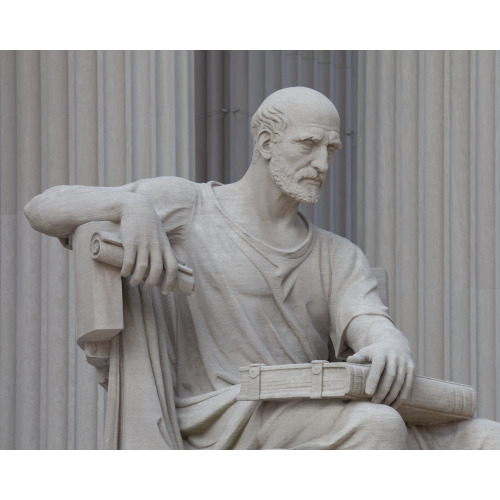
x=429 y=205
x=96 y=118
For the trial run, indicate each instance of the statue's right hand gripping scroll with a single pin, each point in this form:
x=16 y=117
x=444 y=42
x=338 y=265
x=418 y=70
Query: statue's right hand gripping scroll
x=147 y=251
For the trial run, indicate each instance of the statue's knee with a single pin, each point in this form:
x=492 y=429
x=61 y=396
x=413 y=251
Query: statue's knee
x=387 y=418
x=384 y=422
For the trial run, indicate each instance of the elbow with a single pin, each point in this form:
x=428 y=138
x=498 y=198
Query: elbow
x=39 y=217
x=32 y=213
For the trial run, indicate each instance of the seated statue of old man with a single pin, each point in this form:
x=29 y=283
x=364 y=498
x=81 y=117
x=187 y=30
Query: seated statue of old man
x=271 y=288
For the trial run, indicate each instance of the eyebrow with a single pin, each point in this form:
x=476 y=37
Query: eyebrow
x=304 y=136
x=333 y=138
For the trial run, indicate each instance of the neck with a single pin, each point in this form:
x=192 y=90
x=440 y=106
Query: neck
x=262 y=209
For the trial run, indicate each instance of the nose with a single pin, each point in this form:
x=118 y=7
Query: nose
x=320 y=160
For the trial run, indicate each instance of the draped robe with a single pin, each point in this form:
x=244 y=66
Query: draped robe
x=174 y=369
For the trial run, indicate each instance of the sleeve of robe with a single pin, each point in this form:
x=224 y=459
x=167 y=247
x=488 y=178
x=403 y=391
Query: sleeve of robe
x=354 y=294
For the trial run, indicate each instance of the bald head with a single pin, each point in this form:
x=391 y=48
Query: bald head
x=300 y=104
x=297 y=97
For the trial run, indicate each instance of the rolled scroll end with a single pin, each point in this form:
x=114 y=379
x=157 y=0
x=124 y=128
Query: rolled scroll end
x=106 y=247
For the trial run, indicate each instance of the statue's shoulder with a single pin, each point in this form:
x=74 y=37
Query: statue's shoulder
x=338 y=246
x=329 y=238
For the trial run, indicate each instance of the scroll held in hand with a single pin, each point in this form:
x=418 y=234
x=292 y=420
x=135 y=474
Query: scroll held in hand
x=106 y=247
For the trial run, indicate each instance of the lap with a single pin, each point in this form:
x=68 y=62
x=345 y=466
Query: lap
x=323 y=424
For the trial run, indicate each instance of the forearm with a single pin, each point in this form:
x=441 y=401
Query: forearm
x=59 y=210
x=366 y=330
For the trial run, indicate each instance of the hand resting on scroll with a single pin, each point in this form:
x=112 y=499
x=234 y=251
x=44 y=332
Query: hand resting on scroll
x=147 y=251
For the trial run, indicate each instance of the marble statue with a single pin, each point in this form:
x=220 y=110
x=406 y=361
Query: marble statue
x=270 y=288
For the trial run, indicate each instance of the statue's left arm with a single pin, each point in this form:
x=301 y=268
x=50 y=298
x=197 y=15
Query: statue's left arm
x=362 y=325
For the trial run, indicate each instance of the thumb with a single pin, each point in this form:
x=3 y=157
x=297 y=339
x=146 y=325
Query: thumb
x=359 y=358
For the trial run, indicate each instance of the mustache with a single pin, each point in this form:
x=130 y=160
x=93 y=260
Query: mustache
x=310 y=173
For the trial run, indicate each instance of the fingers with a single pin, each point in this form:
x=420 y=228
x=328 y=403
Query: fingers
x=373 y=380
x=129 y=253
x=155 y=269
x=170 y=265
x=141 y=265
x=148 y=261
x=396 y=386
x=405 y=393
x=387 y=379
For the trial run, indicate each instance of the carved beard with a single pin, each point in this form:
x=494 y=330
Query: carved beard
x=289 y=183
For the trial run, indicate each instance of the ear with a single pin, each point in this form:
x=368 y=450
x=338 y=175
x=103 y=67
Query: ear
x=264 y=144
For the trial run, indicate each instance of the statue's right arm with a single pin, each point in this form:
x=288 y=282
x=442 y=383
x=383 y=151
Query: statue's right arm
x=60 y=210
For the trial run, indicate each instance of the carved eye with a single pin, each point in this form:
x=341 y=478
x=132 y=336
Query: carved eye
x=307 y=145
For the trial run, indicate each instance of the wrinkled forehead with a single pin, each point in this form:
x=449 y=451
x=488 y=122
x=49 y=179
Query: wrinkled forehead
x=313 y=114
x=306 y=107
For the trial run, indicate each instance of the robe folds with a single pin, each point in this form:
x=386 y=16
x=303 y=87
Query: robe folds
x=174 y=376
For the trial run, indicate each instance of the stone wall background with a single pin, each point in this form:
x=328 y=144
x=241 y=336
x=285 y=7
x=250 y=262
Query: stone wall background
x=416 y=185
x=429 y=205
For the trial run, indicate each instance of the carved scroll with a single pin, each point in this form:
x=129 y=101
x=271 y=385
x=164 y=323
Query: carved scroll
x=106 y=247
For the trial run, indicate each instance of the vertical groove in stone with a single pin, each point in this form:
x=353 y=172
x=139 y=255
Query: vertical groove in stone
x=472 y=220
x=446 y=216
x=8 y=257
x=237 y=117
x=405 y=303
x=497 y=231
x=200 y=107
x=152 y=115
x=28 y=340
x=433 y=215
x=129 y=175
x=54 y=134
x=215 y=116
x=385 y=178
x=114 y=102
x=165 y=118
x=72 y=351
x=485 y=175
x=184 y=90
x=141 y=123
x=362 y=142
x=87 y=173
x=445 y=207
x=459 y=216
x=420 y=208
